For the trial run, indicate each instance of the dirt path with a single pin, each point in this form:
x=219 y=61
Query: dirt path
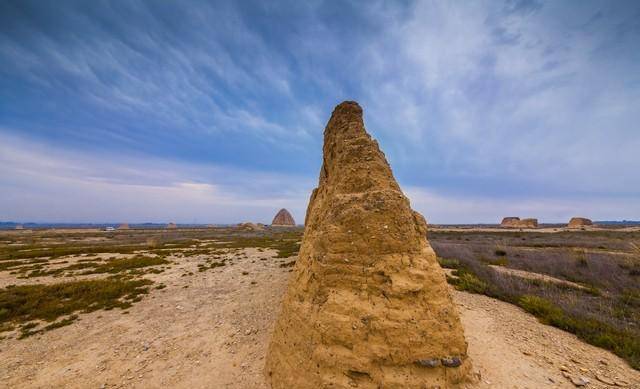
x=210 y=330
x=535 y=276
x=511 y=349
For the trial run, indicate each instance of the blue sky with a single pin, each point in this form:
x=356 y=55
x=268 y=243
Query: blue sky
x=213 y=112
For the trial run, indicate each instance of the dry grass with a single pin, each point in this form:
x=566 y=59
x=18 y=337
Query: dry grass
x=606 y=313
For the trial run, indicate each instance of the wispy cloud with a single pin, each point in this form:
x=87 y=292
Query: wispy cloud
x=44 y=184
x=513 y=100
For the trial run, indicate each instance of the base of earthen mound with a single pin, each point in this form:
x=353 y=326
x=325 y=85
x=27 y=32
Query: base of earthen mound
x=516 y=222
x=578 y=222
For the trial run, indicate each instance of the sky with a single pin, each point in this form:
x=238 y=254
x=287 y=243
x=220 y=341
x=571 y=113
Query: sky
x=213 y=111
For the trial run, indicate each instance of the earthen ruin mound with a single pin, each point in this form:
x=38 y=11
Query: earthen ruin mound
x=172 y=226
x=528 y=223
x=248 y=226
x=516 y=222
x=283 y=218
x=123 y=226
x=367 y=304
x=578 y=222
x=509 y=221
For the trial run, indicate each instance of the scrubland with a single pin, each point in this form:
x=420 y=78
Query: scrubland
x=194 y=307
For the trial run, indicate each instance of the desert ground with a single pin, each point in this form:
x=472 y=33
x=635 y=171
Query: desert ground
x=194 y=308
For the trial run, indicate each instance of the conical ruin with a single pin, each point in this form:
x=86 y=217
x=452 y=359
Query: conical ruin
x=283 y=218
x=367 y=305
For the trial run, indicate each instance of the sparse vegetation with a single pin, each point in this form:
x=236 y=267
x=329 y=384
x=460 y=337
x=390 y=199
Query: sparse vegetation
x=28 y=304
x=604 y=309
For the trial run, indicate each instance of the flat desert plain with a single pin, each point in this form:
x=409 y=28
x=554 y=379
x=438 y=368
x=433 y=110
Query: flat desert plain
x=194 y=308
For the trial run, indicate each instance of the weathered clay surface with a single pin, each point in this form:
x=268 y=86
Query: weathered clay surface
x=248 y=226
x=577 y=222
x=510 y=221
x=367 y=305
x=283 y=218
x=516 y=222
x=528 y=223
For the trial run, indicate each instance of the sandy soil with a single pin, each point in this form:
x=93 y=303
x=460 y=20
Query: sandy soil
x=6 y=278
x=211 y=329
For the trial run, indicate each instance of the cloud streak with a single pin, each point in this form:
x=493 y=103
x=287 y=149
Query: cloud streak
x=43 y=184
x=521 y=101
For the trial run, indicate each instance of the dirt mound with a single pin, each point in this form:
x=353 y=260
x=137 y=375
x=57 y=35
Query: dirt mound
x=577 y=222
x=123 y=226
x=248 y=226
x=172 y=226
x=283 y=218
x=516 y=222
x=367 y=305
x=528 y=223
x=510 y=221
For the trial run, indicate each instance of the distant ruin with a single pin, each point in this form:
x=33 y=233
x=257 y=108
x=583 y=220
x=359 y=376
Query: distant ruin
x=516 y=222
x=283 y=218
x=510 y=221
x=248 y=226
x=172 y=226
x=579 y=222
x=123 y=226
x=367 y=304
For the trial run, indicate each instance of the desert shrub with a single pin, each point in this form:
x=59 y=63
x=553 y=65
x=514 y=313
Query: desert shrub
x=500 y=253
x=467 y=281
x=500 y=261
x=620 y=341
x=448 y=263
x=540 y=307
x=29 y=303
x=623 y=343
x=124 y=264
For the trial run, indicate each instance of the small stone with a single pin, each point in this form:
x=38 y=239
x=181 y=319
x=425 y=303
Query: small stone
x=451 y=362
x=622 y=383
x=605 y=379
x=563 y=368
x=428 y=362
x=579 y=381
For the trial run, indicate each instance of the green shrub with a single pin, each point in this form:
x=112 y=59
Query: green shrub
x=540 y=307
x=500 y=261
x=447 y=263
x=469 y=282
x=25 y=303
